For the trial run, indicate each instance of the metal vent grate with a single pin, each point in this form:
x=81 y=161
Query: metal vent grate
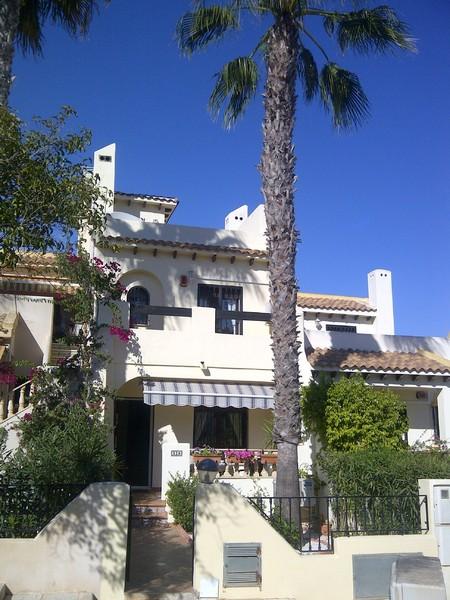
x=242 y=565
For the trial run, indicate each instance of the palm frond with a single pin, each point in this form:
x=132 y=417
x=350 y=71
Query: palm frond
x=74 y=16
x=368 y=30
x=307 y=73
x=29 y=36
x=197 y=29
x=342 y=94
x=236 y=86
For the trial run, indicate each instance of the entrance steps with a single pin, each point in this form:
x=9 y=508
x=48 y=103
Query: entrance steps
x=160 y=559
x=147 y=509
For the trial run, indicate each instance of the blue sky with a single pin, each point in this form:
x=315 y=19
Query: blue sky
x=375 y=197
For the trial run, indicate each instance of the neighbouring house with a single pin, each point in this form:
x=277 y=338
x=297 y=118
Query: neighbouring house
x=197 y=300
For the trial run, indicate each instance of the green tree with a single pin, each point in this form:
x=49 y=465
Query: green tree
x=22 y=22
x=360 y=416
x=45 y=194
x=285 y=49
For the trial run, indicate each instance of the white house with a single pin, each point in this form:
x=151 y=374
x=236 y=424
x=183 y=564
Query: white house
x=197 y=301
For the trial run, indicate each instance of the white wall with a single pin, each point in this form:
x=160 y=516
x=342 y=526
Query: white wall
x=82 y=549
x=182 y=420
x=33 y=336
x=222 y=515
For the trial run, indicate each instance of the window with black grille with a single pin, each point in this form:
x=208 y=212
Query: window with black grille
x=139 y=300
x=343 y=328
x=223 y=299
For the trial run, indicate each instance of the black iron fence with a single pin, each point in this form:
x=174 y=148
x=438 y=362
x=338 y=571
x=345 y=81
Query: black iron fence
x=25 y=509
x=311 y=524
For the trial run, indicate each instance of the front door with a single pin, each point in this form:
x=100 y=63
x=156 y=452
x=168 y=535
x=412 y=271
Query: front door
x=132 y=440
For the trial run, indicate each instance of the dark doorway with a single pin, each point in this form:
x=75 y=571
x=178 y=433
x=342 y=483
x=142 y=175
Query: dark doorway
x=133 y=420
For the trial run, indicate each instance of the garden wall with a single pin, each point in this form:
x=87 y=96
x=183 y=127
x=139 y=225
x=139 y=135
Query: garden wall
x=222 y=516
x=82 y=549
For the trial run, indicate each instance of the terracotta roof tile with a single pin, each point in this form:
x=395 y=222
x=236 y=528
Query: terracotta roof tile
x=191 y=246
x=33 y=265
x=358 y=360
x=329 y=302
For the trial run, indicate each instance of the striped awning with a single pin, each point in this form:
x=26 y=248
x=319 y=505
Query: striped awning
x=223 y=395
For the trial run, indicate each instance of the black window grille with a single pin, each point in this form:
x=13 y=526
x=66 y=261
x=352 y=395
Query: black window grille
x=223 y=298
x=343 y=328
x=139 y=300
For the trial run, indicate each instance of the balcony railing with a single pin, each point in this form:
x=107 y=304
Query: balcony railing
x=248 y=463
x=16 y=400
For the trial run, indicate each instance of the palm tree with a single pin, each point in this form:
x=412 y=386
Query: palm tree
x=21 y=24
x=286 y=49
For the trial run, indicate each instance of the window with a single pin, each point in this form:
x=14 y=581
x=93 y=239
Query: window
x=139 y=300
x=222 y=298
x=62 y=322
x=343 y=328
x=220 y=427
x=435 y=417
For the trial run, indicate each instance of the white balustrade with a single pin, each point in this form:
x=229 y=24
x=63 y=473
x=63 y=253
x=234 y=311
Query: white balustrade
x=8 y=405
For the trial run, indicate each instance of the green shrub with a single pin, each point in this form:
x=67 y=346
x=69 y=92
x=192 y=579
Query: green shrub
x=349 y=414
x=383 y=471
x=68 y=444
x=181 y=498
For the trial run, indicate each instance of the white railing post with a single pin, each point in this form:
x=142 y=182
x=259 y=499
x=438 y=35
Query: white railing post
x=22 y=398
x=10 y=405
x=2 y=408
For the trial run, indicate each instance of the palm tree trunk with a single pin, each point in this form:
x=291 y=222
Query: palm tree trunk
x=278 y=177
x=9 y=22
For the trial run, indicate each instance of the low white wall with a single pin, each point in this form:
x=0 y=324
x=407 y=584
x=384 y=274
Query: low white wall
x=82 y=549
x=222 y=515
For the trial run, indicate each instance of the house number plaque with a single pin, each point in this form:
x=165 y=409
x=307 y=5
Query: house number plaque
x=176 y=453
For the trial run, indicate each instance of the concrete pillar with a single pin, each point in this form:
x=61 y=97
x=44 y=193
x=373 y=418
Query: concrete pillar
x=443 y=402
x=380 y=297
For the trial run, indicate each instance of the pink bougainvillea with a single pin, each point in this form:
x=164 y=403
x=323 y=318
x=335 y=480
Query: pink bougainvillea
x=239 y=455
x=73 y=258
x=124 y=335
x=7 y=375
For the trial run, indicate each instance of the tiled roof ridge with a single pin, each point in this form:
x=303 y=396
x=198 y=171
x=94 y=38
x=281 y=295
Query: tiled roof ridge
x=381 y=360
x=338 y=296
x=253 y=253
x=330 y=302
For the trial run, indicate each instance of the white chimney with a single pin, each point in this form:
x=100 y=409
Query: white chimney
x=236 y=218
x=104 y=169
x=380 y=297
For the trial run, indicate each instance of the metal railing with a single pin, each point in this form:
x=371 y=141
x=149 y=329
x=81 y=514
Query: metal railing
x=311 y=524
x=25 y=509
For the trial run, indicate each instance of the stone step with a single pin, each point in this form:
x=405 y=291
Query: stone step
x=51 y=596
x=141 y=595
x=146 y=510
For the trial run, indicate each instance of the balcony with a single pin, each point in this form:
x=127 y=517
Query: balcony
x=185 y=345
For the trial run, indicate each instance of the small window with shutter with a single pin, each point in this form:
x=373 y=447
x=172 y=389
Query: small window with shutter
x=242 y=565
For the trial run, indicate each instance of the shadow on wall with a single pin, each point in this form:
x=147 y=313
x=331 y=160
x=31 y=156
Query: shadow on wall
x=82 y=549
x=26 y=347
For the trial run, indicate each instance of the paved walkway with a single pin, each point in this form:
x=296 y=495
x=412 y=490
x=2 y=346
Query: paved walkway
x=160 y=563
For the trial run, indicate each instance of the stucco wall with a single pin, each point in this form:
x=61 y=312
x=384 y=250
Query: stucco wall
x=33 y=336
x=222 y=515
x=82 y=549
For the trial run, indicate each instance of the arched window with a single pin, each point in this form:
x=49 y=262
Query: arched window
x=139 y=300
